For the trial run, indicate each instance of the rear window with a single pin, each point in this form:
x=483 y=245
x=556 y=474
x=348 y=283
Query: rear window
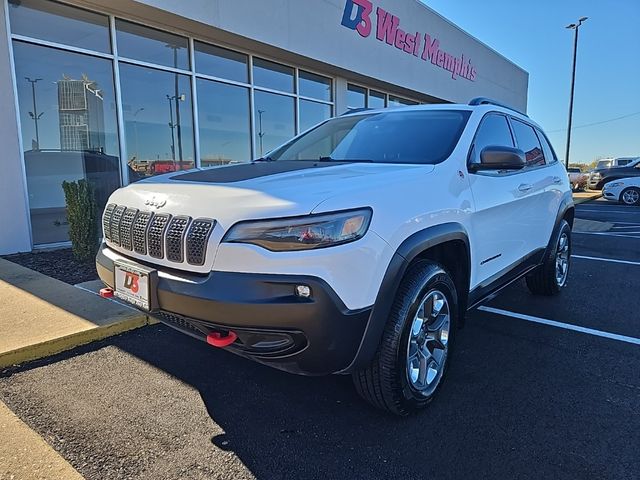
x=604 y=164
x=574 y=170
x=412 y=136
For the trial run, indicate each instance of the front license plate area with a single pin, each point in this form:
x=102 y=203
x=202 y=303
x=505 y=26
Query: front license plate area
x=135 y=284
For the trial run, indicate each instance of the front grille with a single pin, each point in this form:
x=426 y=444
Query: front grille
x=106 y=220
x=175 y=238
x=197 y=239
x=178 y=239
x=155 y=234
x=125 y=227
x=115 y=223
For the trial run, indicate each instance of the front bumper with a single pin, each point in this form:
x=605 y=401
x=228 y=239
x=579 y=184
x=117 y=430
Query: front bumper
x=313 y=336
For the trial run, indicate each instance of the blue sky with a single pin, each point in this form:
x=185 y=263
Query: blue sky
x=532 y=34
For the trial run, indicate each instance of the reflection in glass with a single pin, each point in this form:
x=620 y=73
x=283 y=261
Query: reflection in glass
x=376 y=99
x=356 y=96
x=275 y=120
x=151 y=45
x=221 y=63
x=158 y=121
x=312 y=113
x=223 y=119
x=60 y=23
x=400 y=102
x=314 y=86
x=69 y=131
x=272 y=75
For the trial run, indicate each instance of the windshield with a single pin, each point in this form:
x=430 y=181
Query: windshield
x=414 y=136
x=604 y=164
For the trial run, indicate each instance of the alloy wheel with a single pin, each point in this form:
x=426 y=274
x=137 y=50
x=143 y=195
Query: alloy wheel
x=428 y=342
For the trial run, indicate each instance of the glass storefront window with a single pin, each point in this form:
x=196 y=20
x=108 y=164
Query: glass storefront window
x=158 y=121
x=356 y=96
x=221 y=63
x=400 y=102
x=312 y=113
x=224 y=122
x=151 y=45
x=272 y=75
x=376 y=99
x=314 y=86
x=69 y=131
x=60 y=23
x=274 y=120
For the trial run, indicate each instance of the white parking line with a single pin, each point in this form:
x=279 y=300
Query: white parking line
x=566 y=326
x=612 y=260
x=602 y=210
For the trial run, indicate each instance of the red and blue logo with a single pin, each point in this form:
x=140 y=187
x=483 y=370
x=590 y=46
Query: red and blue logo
x=357 y=16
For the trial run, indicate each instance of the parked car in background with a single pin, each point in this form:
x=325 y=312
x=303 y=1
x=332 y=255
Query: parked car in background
x=624 y=190
x=617 y=168
x=577 y=178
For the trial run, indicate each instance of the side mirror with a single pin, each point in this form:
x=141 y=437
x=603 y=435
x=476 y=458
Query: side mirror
x=499 y=158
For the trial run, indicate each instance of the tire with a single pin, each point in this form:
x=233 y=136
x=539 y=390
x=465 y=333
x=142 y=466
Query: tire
x=546 y=279
x=630 y=196
x=401 y=379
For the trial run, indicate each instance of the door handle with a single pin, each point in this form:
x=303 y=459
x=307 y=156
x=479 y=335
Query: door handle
x=557 y=180
x=525 y=187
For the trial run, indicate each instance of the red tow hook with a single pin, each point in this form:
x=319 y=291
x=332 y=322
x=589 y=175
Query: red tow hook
x=106 y=293
x=218 y=340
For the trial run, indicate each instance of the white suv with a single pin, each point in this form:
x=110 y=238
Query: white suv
x=355 y=248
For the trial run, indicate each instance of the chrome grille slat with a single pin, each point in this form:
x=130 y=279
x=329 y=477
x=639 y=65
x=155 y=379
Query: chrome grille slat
x=197 y=239
x=126 y=225
x=175 y=238
x=155 y=234
x=139 y=232
x=115 y=223
x=106 y=220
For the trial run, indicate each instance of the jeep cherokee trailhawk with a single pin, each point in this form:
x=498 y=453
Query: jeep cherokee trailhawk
x=355 y=248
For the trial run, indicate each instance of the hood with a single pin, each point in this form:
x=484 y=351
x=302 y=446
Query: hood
x=257 y=190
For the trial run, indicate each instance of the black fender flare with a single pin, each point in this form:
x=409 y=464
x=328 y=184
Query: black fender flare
x=408 y=250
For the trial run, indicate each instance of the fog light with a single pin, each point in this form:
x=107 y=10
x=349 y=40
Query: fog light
x=303 y=291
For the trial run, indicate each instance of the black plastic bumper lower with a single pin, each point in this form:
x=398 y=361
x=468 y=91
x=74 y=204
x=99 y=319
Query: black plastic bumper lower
x=311 y=336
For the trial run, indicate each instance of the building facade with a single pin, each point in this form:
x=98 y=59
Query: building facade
x=121 y=90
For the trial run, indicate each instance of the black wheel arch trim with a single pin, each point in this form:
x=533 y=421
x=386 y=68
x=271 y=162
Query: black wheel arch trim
x=408 y=251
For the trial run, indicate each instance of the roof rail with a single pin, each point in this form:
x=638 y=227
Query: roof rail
x=487 y=101
x=356 y=110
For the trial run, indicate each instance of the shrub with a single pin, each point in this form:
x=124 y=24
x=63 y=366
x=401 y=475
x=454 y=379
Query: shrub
x=582 y=183
x=81 y=214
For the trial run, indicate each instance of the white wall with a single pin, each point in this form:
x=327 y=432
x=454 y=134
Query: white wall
x=312 y=28
x=14 y=211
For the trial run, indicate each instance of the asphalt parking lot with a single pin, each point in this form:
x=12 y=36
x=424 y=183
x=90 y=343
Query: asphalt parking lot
x=522 y=399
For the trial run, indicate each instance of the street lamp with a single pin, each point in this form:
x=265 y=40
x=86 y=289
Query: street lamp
x=35 y=116
x=260 y=132
x=576 y=27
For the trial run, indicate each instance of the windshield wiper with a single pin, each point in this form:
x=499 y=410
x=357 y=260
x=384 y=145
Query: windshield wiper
x=350 y=160
x=263 y=159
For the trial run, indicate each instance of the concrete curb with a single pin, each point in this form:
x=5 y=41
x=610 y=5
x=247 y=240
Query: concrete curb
x=61 y=344
x=587 y=198
x=41 y=316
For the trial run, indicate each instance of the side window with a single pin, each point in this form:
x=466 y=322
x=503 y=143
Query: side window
x=528 y=142
x=549 y=153
x=494 y=130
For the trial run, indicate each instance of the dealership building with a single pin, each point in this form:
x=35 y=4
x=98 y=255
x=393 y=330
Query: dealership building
x=119 y=90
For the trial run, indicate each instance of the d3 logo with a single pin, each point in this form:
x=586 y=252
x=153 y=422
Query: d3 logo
x=131 y=282
x=362 y=20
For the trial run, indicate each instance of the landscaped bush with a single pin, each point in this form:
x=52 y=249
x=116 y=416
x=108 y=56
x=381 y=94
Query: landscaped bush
x=582 y=184
x=81 y=214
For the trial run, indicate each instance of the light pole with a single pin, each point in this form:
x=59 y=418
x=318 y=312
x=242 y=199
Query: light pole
x=135 y=129
x=576 y=27
x=260 y=132
x=35 y=115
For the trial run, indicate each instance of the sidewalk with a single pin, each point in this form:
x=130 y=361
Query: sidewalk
x=42 y=316
x=581 y=197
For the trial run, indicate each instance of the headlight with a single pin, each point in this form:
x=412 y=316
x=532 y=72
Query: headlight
x=303 y=233
x=614 y=184
x=596 y=175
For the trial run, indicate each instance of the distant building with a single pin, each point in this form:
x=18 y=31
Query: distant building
x=81 y=113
